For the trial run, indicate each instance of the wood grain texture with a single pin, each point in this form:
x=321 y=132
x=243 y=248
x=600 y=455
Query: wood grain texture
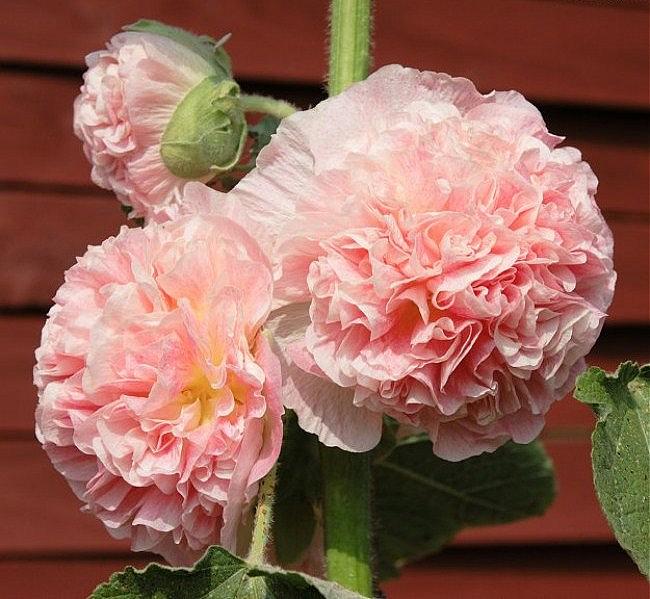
x=36 y=250
x=36 y=121
x=20 y=335
x=42 y=234
x=579 y=52
x=524 y=573
x=26 y=528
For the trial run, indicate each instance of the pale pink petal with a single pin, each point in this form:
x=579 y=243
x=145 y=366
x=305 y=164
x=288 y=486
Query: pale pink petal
x=323 y=408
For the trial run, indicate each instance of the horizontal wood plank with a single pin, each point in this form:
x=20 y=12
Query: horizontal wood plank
x=20 y=335
x=40 y=514
x=631 y=259
x=36 y=122
x=29 y=477
x=59 y=578
x=36 y=250
x=41 y=235
x=584 y=52
x=524 y=573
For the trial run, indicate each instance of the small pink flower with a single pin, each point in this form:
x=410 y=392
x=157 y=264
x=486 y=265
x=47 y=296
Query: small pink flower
x=442 y=260
x=159 y=398
x=129 y=95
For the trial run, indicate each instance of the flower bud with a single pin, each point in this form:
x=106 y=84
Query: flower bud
x=152 y=82
x=207 y=133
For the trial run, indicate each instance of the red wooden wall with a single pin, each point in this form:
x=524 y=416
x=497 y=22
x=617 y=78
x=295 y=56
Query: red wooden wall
x=584 y=62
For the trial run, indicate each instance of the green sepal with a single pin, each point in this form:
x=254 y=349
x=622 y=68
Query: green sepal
x=208 y=48
x=207 y=132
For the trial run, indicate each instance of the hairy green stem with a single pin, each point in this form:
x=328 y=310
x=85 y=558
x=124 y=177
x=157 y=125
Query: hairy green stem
x=266 y=105
x=346 y=508
x=349 y=43
x=346 y=476
x=263 y=518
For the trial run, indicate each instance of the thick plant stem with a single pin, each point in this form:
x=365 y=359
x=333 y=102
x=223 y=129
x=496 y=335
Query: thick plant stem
x=346 y=476
x=349 y=43
x=346 y=508
x=263 y=518
x=266 y=105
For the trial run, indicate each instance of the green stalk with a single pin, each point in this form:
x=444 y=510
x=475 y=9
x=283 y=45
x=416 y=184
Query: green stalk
x=266 y=105
x=349 y=43
x=346 y=510
x=263 y=519
x=346 y=475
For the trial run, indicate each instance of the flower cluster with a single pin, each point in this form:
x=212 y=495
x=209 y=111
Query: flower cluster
x=410 y=248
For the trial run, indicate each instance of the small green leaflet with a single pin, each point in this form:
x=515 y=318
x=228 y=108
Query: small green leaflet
x=621 y=452
x=261 y=134
x=217 y=575
x=422 y=501
x=209 y=49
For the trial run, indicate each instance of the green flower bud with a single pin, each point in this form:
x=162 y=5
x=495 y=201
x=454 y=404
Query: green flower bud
x=207 y=132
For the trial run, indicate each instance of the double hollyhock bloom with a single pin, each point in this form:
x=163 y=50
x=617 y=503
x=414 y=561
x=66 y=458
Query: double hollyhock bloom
x=442 y=261
x=159 y=395
x=132 y=90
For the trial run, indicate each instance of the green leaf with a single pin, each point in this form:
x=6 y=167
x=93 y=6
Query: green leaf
x=297 y=493
x=217 y=575
x=208 y=48
x=422 y=501
x=216 y=570
x=261 y=134
x=621 y=452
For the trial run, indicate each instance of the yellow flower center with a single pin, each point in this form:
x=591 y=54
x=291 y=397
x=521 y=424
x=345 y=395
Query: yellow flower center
x=199 y=389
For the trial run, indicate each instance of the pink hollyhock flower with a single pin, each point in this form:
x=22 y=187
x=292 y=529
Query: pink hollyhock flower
x=159 y=398
x=443 y=261
x=130 y=93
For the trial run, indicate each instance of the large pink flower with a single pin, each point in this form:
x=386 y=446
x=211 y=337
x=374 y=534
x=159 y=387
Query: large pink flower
x=130 y=92
x=443 y=261
x=158 y=393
